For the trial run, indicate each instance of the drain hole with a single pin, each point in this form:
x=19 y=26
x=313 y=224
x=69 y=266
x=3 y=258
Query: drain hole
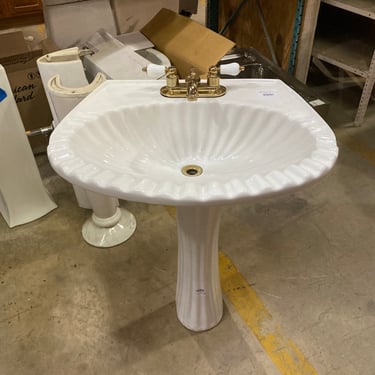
x=192 y=170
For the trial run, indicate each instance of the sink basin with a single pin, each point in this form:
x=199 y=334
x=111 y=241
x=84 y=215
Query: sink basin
x=127 y=141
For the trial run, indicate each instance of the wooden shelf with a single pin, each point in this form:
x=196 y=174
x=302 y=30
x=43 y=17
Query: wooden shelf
x=364 y=8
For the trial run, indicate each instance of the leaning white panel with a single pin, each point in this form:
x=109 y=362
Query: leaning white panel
x=23 y=197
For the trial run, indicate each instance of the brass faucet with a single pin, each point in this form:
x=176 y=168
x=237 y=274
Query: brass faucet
x=192 y=85
x=192 y=88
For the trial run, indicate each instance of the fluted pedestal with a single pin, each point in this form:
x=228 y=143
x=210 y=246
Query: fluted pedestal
x=198 y=297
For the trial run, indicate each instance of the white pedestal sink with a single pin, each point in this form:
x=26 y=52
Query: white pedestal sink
x=127 y=141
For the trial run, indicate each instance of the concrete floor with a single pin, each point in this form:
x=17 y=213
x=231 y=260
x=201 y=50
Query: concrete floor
x=69 y=308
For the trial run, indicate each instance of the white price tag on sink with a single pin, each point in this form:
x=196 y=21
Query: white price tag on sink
x=267 y=93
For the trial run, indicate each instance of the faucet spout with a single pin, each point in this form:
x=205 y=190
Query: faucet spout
x=192 y=83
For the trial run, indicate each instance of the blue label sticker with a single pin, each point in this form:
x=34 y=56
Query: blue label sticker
x=3 y=94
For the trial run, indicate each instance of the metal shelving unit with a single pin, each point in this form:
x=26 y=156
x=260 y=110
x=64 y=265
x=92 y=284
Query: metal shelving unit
x=354 y=53
x=364 y=8
x=212 y=15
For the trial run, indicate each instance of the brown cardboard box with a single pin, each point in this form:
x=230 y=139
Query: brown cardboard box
x=186 y=43
x=28 y=91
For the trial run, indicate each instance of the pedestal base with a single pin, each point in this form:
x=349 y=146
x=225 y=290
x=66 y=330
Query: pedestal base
x=110 y=231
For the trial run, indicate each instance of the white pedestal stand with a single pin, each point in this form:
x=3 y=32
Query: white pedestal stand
x=109 y=225
x=199 y=300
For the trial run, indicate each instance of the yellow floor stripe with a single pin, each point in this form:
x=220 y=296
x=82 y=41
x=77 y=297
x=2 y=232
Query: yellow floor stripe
x=171 y=211
x=283 y=352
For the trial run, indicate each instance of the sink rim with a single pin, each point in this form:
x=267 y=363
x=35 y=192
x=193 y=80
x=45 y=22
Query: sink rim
x=276 y=182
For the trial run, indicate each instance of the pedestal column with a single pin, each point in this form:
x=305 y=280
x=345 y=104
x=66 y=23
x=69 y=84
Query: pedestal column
x=198 y=297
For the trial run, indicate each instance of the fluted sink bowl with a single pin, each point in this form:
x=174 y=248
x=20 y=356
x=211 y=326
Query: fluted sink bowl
x=126 y=140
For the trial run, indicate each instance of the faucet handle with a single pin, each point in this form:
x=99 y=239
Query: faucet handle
x=232 y=69
x=155 y=71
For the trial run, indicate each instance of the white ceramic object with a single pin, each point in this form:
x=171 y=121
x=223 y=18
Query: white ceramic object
x=65 y=98
x=68 y=65
x=199 y=301
x=69 y=22
x=128 y=141
x=122 y=57
x=66 y=85
x=109 y=225
x=232 y=69
x=23 y=197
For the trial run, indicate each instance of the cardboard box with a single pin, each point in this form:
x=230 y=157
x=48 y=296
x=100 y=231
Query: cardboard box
x=186 y=42
x=20 y=65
